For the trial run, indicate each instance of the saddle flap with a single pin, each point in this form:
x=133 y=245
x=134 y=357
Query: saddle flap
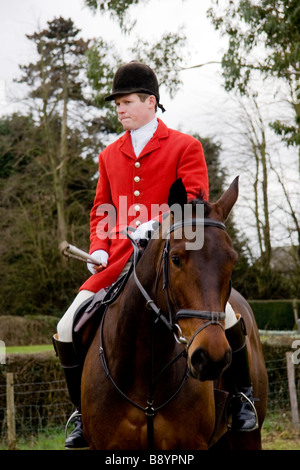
x=87 y=311
x=98 y=302
x=221 y=397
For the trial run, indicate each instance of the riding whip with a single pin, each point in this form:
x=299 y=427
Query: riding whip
x=71 y=251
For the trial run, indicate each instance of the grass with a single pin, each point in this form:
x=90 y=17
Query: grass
x=279 y=433
x=52 y=439
x=31 y=349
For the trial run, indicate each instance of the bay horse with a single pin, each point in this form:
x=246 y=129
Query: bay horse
x=149 y=376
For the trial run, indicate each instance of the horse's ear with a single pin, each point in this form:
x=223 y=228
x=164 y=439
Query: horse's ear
x=228 y=199
x=177 y=194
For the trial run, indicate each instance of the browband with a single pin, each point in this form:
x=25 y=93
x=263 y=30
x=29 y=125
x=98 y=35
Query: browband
x=197 y=221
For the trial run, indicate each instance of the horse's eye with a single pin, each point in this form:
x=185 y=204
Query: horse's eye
x=176 y=260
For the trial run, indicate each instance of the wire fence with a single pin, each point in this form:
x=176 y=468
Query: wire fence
x=37 y=405
x=278 y=385
x=44 y=405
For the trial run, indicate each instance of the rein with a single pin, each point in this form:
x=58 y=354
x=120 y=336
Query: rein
x=213 y=318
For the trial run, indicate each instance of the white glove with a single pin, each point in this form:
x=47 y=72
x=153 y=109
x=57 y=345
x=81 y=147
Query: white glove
x=101 y=256
x=142 y=232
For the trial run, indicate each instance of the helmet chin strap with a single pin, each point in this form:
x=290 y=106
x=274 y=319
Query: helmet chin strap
x=161 y=107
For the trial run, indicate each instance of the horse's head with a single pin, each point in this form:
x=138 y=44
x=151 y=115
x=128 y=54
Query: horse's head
x=196 y=278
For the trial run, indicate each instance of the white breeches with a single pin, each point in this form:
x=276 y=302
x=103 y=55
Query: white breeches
x=230 y=318
x=65 y=324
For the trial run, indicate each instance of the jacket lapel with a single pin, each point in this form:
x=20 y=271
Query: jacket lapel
x=126 y=146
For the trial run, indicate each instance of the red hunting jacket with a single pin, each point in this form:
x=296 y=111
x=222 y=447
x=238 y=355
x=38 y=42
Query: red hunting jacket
x=130 y=190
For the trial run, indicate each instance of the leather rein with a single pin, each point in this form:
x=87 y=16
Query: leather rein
x=213 y=318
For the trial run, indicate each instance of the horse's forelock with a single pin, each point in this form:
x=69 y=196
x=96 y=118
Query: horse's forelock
x=200 y=200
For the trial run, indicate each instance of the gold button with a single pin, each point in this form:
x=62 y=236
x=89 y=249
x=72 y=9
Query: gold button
x=137 y=208
x=137 y=164
x=136 y=193
x=137 y=179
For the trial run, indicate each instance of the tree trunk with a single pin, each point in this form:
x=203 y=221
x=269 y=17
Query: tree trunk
x=61 y=170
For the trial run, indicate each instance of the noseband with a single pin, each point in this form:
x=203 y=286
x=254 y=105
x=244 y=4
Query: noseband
x=213 y=318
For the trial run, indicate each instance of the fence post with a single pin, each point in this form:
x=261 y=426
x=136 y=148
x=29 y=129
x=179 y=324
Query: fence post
x=10 y=412
x=292 y=388
x=295 y=310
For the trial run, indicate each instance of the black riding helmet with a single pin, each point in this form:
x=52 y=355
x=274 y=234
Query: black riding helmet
x=135 y=77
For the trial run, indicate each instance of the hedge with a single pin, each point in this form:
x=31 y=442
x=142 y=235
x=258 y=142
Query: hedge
x=27 y=330
x=275 y=314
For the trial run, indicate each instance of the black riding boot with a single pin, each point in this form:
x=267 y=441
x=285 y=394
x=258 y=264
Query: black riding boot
x=72 y=369
x=238 y=382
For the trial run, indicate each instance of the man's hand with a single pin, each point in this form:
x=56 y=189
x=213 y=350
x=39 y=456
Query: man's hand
x=101 y=256
x=145 y=230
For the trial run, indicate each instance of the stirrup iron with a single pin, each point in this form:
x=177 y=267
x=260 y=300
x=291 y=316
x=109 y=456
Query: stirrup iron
x=74 y=415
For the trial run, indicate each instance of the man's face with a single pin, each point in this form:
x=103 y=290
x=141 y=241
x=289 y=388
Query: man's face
x=134 y=113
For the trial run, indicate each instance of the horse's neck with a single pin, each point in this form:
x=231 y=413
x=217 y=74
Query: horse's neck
x=136 y=320
x=136 y=340
x=133 y=314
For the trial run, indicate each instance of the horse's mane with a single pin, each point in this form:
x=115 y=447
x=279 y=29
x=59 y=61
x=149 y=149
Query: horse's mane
x=200 y=200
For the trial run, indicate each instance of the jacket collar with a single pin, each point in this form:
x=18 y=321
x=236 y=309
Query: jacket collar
x=161 y=132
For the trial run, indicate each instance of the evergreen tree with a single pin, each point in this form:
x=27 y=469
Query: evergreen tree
x=56 y=85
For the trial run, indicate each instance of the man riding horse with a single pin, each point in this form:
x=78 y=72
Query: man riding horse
x=140 y=167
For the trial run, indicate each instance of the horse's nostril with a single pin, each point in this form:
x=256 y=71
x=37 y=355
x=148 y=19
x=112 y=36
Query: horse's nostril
x=205 y=367
x=199 y=359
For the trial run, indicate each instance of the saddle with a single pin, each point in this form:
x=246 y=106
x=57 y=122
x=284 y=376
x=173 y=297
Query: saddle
x=88 y=316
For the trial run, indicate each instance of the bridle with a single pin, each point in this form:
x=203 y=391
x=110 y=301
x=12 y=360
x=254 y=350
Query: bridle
x=213 y=318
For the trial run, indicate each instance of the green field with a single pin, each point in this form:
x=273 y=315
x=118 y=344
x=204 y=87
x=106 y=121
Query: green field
x=29 y=349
